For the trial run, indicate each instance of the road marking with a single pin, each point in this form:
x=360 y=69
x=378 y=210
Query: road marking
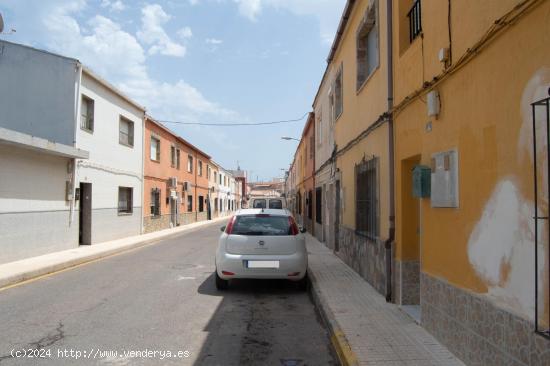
x=181 y=278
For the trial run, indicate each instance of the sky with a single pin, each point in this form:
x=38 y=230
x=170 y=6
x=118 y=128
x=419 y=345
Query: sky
x=207 y=61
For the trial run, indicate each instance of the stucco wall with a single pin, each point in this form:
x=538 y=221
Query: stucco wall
x=111 y=165
x=37 y=93
x=486 y=245
x=34 y=216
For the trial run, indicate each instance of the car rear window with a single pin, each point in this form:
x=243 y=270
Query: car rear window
x=261 y=225
x=259 y=204
x=276 y=204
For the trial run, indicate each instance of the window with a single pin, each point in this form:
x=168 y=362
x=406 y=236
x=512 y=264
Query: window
x=318 y=205
x=174 y=157
x=415 y=21
x=155 y=149
x=87 y=114
x=215 y=177
x=366 y=197
x=215 y=204
x=126 y=132
x=367 y=46
x=200 y=168
x=259 y=203
x=312 y=147
x=201 y=204
x=189 y=163
x=155 y=202
x=125 y=200
x=338 y=95
x=262 y=225
x=276 y=204
x=189 y=203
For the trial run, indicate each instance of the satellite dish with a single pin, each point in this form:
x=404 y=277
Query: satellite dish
x=1 y=24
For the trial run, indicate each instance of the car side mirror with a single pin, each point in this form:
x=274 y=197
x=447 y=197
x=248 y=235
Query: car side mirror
x=302 y=229
x=222 y=229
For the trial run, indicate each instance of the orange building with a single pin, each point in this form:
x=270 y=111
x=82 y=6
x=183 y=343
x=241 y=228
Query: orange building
x=173 y=180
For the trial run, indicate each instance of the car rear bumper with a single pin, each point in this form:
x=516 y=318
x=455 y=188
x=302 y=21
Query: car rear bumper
x=237 y=264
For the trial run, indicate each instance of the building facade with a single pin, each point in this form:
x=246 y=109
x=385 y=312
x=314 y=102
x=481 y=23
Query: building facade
x=169 y=179
x=326 y=219
x=37 y=152
x=464 y=114
x=109 y=183
x=439 y=114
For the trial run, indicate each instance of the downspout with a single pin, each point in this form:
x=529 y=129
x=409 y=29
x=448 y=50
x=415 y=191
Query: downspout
x=75 y=160
x=391 y=235
x=143 y=152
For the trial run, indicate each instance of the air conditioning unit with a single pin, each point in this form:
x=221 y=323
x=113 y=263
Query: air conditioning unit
x=173 y=182
x=186 y=186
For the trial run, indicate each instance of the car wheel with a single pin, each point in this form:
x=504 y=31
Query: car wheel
x=303 y=284
x=221 y=284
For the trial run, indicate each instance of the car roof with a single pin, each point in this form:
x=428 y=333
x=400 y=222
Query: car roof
x=266 y=211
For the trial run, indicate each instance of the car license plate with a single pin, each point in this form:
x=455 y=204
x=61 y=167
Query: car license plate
x=263 y=264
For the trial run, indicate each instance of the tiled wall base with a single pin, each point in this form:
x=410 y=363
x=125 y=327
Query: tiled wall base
x=407 y=282
x=366 y=257
x=477 y=331
x=162 y=222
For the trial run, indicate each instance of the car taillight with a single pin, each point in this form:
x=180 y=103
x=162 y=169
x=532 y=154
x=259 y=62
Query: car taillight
x=229 y=227
x=293 y=227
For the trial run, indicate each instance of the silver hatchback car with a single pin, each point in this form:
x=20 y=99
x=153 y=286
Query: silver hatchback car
x=261 y=244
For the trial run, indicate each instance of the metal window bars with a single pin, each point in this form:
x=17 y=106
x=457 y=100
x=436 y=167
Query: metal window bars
x=415 y=20
x=545 y=105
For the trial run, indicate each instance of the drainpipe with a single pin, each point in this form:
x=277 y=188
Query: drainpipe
x=74 y=171
x=391 y=237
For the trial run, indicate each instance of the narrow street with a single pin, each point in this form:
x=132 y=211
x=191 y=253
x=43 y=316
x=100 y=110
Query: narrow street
x=159 y=299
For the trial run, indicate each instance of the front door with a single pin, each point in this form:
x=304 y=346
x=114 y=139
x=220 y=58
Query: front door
x=173 y=211
x=85 y=214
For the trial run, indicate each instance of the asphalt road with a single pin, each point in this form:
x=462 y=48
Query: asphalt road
x=160 y=303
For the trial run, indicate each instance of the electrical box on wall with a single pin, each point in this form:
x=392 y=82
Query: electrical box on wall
x=421 y=181
x=444 y=179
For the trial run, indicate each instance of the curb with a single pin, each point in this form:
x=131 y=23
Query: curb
x=338 y=339
x=18 y=278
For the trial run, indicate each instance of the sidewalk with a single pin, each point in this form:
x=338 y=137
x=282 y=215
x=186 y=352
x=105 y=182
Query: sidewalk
x=365 y=330
x=15 y=272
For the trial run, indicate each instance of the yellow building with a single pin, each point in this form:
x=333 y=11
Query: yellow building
x=358 y=96
x=465 y=75
x=447 y=130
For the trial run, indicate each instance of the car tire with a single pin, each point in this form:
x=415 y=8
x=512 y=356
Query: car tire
x=303 y=284
x=221 y=284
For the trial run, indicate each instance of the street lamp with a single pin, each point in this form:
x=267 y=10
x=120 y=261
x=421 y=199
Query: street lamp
x=289 y=138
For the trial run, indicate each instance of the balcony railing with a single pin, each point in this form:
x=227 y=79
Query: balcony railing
x=415 y=20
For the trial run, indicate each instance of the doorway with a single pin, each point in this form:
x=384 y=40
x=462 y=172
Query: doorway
x=173 y=212
x=410 y=259
x=85 y=214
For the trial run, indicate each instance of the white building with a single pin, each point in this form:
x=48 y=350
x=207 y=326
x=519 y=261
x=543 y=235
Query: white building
x=38 y=117
x=110 y=181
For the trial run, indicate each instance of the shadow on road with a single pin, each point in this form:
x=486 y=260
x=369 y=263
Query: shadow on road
x=263 y=322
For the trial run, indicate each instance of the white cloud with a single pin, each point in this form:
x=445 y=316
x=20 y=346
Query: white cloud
x=185 y=33
x=118 y=56
x=117 y=5
x=213 y=41
x=327 y=12
x=153 y=35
